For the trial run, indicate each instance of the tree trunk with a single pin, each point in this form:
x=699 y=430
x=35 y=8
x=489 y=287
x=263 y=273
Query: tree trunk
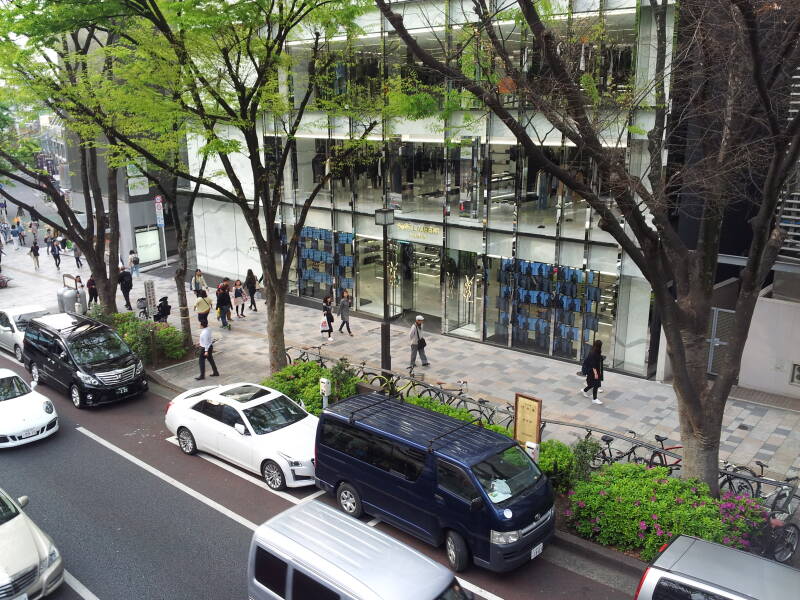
x=700 y=451
x=180 y=286
x=107 y=293
x=276 y=305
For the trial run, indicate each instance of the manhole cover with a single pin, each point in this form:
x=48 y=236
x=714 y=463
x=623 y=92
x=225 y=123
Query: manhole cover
x=744 y=427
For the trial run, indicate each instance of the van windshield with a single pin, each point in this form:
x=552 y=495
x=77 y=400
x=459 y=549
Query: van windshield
x=507 y=474
x=98 y=345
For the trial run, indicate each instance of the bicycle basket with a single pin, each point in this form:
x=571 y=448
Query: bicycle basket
x=141 y=303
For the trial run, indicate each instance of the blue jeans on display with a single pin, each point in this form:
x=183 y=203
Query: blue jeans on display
x=414 y=350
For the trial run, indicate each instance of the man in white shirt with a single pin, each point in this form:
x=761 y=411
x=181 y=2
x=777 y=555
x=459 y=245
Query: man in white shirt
x=206 y=352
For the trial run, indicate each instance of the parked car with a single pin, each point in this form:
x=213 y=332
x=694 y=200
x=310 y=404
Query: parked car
x=249 y=425
x=25 y=415
x=13 y=322
x=29 y=560
x=313 y=551
x=83 y=357
x=437 y=478
x=689 y=568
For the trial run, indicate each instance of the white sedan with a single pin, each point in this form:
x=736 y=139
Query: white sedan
x=30 y=565
x=249 y=425
x=25 y=415
x=13 y=322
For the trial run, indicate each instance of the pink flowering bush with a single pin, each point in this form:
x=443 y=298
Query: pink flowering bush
x=635 y=508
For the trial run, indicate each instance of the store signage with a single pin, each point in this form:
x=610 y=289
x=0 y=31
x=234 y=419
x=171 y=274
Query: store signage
x=419 y=231
x=527 y=419
x=147 y=246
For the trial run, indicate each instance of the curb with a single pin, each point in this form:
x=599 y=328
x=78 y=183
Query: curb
x=159 y=380
x=612 y=558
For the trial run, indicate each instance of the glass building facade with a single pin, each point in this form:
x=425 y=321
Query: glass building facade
x=484 y=244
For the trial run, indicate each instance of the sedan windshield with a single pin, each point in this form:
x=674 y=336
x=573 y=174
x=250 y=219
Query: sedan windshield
x=507 y=474
x=98 y=345
x=7 y=510
x=273 y=415
x=13 y=387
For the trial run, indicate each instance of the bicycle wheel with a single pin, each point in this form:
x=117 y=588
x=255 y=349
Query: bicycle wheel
x=786 y=541
x=657 y=459
x=737 y=485
x=599 y=459
x=378 y=381
x=635 y=458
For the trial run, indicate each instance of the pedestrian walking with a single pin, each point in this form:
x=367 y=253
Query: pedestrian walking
x=133 y=262
x=125 y=285
x=250 y=284
x=224 y=304
x=34 y=252
x=198 y=282
x=593 y=369
x=15 y=237
x=326 y=325
x=343 y=310
x=21 y=232
x=91 y=287
x=34 y=227
x=206 y=344
x=418 y=342
x=55 y=252
x=76 y=252
x=4 y=229
x=239 y=299
x=202 y=306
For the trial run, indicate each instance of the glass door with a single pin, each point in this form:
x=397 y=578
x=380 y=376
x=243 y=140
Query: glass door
x=464 y=293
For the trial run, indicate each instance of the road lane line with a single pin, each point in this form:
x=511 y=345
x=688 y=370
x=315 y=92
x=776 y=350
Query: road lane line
x=311 y=497
x=227 y=512
x=78 y=587
x=244 y=475
x=170 y=480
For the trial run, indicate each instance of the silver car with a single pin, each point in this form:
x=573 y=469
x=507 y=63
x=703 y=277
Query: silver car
x=13 y=322
x=694 y=569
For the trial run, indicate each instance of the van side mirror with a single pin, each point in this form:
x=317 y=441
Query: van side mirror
x=475 y=505
x=239 y=427
x=23 y=501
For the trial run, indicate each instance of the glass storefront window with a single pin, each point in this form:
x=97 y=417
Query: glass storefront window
x=502 y=185
x=539 y=197
x=499 y=299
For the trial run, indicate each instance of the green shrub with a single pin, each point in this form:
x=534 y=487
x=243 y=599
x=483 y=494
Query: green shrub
x=146 y=337
x=584 y=451
x=169 y=342
x=96 y=312
x=557 y=461
x=343 y=379
x=458 y=413
x=635 y=508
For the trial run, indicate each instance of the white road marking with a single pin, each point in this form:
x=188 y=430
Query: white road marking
x=311 y=497
x=170 y=480
x=239 y=473
x=226 y=511
x=78 y=587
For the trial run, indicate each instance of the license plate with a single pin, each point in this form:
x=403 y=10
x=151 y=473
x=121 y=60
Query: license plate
x=537 y=550
x=122 y=390
x=27 y=434
x=23 y=597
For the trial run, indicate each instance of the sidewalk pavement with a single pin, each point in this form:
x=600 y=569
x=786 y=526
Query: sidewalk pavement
x=756 y=426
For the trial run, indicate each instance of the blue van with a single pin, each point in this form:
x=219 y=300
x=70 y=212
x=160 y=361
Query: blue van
x=438 y=478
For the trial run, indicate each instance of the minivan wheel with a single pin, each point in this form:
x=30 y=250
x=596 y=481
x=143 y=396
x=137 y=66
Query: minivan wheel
x=787 y=542
x=186 y=441
x=349 y=500
x=18 y=353
x=273 y=475
x=35 y=374
x=457 y=551
x=76 y=396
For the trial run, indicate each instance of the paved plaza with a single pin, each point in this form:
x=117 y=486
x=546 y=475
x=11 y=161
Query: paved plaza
x=757 y=426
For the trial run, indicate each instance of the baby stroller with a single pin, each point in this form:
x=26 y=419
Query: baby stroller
x=162 y=310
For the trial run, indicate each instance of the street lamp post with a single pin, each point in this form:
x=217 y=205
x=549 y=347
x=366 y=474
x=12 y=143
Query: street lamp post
x=385 y=217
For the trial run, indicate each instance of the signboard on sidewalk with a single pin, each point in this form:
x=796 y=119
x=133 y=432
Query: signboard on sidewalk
x=527 y=419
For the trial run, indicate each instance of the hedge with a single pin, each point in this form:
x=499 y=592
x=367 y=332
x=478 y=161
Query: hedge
x=147 y=339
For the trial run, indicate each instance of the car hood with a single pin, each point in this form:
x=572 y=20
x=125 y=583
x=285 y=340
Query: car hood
x=296 y=440
x=22 y=544
x=524 y=509
x=112 y=364
x=24 y=412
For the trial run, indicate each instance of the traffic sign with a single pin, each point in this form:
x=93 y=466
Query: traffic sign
x=159 y=214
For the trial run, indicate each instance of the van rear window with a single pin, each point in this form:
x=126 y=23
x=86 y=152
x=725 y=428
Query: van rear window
x=667 y=589
x=270 y=571
x=305 y=587
x=375 y=450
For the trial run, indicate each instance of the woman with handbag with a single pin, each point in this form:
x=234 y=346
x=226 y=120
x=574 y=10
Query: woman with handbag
x=202 y=307
x=327 y=316
x=418 y=342
x=239 y=299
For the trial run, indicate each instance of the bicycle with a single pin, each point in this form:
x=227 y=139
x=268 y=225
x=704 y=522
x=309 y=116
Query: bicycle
x=452 y=392
x=730 y=481
x=609 y=455
x=777 y=538
x=485 y=411
x=659 y=459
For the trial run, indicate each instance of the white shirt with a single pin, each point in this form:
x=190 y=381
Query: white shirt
x=206 y=338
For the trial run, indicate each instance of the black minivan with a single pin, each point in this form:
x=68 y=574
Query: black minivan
x=83 y=357
x=438 y=478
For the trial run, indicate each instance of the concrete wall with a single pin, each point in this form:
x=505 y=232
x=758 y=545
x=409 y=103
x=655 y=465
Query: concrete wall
x=772 y=347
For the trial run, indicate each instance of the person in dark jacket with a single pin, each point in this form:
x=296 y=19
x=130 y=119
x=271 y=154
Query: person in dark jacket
x=326 y=312
x=343 y=310
x=250 y=284
x=91 y=287
x=55 y=252
x=125 y=285
x=224 y=304
x=593 y=369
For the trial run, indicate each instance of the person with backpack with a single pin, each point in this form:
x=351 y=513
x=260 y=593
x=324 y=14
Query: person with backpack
x=592 y=368
x=133 y=263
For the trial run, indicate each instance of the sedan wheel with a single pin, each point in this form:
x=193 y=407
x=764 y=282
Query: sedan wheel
x=273 y=475
x=18 y=353
x=186 y=441
x=75 y=396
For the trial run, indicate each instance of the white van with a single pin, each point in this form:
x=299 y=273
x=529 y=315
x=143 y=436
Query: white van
x=313 y=551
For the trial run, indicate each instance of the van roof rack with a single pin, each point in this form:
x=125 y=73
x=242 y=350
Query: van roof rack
x=475 y=421
x=352 y=417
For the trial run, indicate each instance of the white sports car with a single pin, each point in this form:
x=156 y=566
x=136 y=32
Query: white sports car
x=25 y=415
x=249 y=425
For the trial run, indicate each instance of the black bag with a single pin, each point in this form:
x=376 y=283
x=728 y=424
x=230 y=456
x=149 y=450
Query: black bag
x=135 y=260
x=421 y=343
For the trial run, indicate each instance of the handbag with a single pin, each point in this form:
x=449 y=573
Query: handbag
x=323 y=326
x=421 y=343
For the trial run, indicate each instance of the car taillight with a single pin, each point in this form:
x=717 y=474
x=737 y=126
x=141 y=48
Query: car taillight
x=663 y=547
x=169 y=405
x=641 y=582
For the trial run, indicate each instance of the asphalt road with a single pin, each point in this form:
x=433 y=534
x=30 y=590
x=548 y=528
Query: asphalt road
x=135 y=518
